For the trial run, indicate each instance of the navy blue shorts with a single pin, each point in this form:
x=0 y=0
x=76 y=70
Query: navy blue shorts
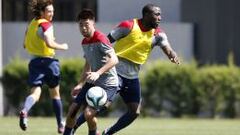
x=130 y=90
x=110 y=90
x=44 y=70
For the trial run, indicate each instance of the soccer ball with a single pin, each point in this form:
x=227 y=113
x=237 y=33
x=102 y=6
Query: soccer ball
x=96 y=97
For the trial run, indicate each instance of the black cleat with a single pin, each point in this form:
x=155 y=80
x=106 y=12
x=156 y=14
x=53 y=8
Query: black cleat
x=23 y=120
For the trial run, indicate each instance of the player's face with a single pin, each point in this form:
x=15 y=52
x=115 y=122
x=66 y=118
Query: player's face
x=48 y=13
x=154 y=17
x=86 y=27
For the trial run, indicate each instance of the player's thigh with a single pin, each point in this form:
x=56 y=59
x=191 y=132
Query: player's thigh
x=52 y=72
x=130 y=91
x=111 y=91
x=36 y=73
x=81 y=97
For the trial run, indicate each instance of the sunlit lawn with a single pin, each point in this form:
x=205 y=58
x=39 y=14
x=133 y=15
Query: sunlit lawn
x=142 y=126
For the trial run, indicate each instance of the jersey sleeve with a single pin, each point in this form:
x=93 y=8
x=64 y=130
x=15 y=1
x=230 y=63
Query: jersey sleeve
x=45 y=29
x=161 y=38
x=122 y=30
x=106 y=49
x=105 y=45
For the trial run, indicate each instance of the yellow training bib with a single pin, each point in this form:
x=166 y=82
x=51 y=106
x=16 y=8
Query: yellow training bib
x=34 y=44
x=136 y=46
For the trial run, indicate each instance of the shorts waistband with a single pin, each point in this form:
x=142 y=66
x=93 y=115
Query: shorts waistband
x=36 y=56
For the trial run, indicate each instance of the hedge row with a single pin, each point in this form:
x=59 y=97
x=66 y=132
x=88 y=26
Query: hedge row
x=187 y=90
x=14 y=79
x=167 y=89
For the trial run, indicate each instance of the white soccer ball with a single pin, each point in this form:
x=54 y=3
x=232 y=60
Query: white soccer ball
x=96 y=97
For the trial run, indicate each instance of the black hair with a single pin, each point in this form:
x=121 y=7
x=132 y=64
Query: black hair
x=148 y=9
x=86 y=14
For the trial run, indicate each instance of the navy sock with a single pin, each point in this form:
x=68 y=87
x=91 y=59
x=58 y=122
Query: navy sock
x=123 y=122
x=92 y=132
x=67 y=131
x=57 y=107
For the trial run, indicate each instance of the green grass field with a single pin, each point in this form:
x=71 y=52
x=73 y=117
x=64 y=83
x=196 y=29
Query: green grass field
x=142 y=126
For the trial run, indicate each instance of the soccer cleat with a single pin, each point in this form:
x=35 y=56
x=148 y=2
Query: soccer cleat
x=105 y=132
x=61 y=128
x=23 y=120
x=73 y=131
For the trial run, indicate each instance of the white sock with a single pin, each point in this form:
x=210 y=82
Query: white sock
x=29 y=102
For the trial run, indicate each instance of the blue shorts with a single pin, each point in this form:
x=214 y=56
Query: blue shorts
x=110 y=90
x=130 y=90
x=44 y=70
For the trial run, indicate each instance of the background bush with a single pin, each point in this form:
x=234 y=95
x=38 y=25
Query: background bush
x=168 y=90
x=15 y=77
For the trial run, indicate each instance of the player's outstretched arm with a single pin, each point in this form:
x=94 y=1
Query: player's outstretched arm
x=171 y=54
x=51 y=43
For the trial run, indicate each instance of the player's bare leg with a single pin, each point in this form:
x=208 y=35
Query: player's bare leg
x=89 y=115
x=70 y=120
x=81 y=119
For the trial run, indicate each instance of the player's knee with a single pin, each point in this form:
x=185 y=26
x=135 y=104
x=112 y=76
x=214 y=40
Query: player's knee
x=89 y=113
x=135 y=114
x=54 y=93
x=101 y=110
x=135 y=109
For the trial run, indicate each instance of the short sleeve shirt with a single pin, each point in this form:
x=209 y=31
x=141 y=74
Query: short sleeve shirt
x=95 y=49
x=126 y=68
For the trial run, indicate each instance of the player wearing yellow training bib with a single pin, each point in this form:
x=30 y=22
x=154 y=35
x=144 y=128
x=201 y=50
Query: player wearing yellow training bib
x=34 y=40
x=135 y=39
x=43 y=68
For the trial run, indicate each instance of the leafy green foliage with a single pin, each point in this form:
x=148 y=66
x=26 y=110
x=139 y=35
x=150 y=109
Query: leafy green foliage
x=15 y=77
x=167 y=89
x=209 y=91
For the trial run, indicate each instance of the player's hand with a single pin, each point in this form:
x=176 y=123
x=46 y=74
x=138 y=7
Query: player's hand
x=65 y=46
x=92 y=77
x=174 y=58
x=76 y=90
